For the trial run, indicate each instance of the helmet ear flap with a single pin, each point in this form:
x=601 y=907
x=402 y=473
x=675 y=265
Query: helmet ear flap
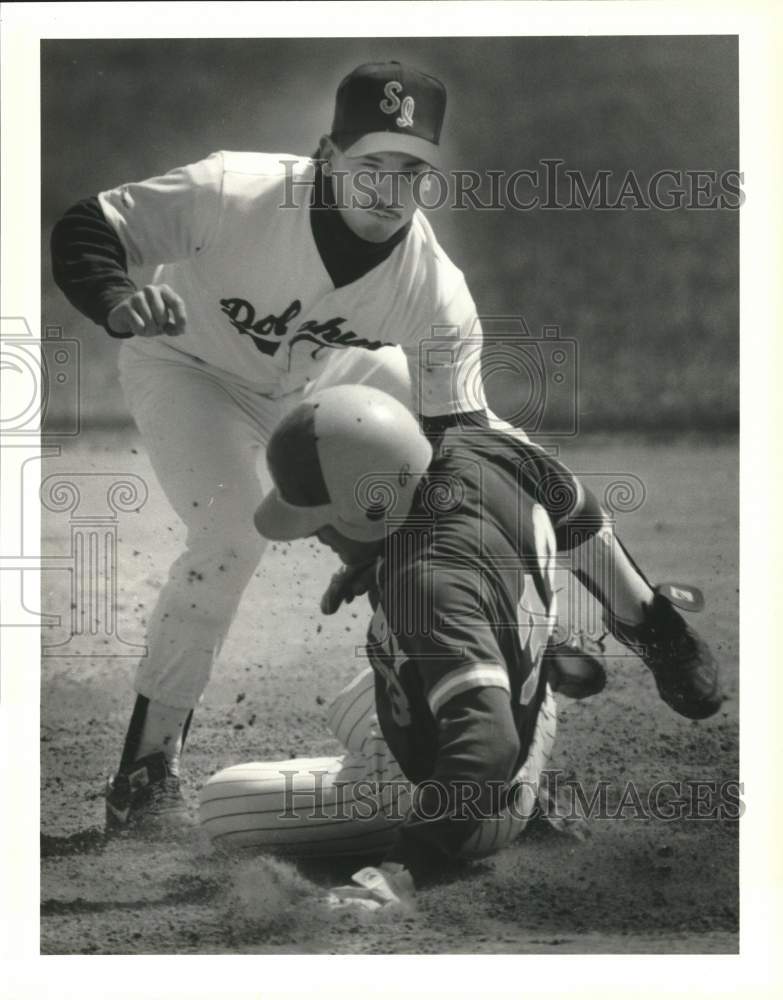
x=383 y=500
x=373 y=462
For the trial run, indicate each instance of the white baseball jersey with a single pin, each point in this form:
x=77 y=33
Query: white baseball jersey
x=232 y=236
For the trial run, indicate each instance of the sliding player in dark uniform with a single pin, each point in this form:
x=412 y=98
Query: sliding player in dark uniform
x=450 y=755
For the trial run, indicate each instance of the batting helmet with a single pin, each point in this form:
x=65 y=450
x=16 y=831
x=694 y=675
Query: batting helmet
x=348 y=456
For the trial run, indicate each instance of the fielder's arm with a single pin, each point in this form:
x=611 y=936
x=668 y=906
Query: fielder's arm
x=90 y=267
x=156 y=221
x=89 y=262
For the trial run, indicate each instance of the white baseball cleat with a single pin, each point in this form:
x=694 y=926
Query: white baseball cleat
x=374 y=890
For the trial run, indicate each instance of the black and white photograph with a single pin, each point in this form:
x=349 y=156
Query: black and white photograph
x=387 y=452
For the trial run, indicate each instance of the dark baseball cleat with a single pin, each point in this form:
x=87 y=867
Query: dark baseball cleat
x=145 y=799
x=685 y=671
x=574 y=668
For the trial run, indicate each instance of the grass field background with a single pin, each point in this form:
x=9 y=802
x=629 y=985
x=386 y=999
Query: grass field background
x=650 y=297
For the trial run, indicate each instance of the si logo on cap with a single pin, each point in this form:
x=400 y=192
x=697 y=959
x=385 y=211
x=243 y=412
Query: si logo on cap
x=392 y=103
x=389 y=108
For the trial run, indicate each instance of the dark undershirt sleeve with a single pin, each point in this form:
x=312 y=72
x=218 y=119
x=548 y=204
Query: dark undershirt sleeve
x=89 y=262
x=478 y=746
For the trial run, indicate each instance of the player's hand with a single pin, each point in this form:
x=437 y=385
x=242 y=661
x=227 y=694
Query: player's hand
x=153 y=311
x=347 y=583
x=375 y=889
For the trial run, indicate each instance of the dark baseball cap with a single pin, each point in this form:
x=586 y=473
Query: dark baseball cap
x=389 y=108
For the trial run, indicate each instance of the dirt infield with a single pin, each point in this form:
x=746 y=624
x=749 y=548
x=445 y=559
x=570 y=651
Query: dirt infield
x=641 y=883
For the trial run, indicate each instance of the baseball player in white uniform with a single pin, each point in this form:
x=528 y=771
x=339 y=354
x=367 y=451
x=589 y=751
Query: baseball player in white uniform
x=278 y=275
